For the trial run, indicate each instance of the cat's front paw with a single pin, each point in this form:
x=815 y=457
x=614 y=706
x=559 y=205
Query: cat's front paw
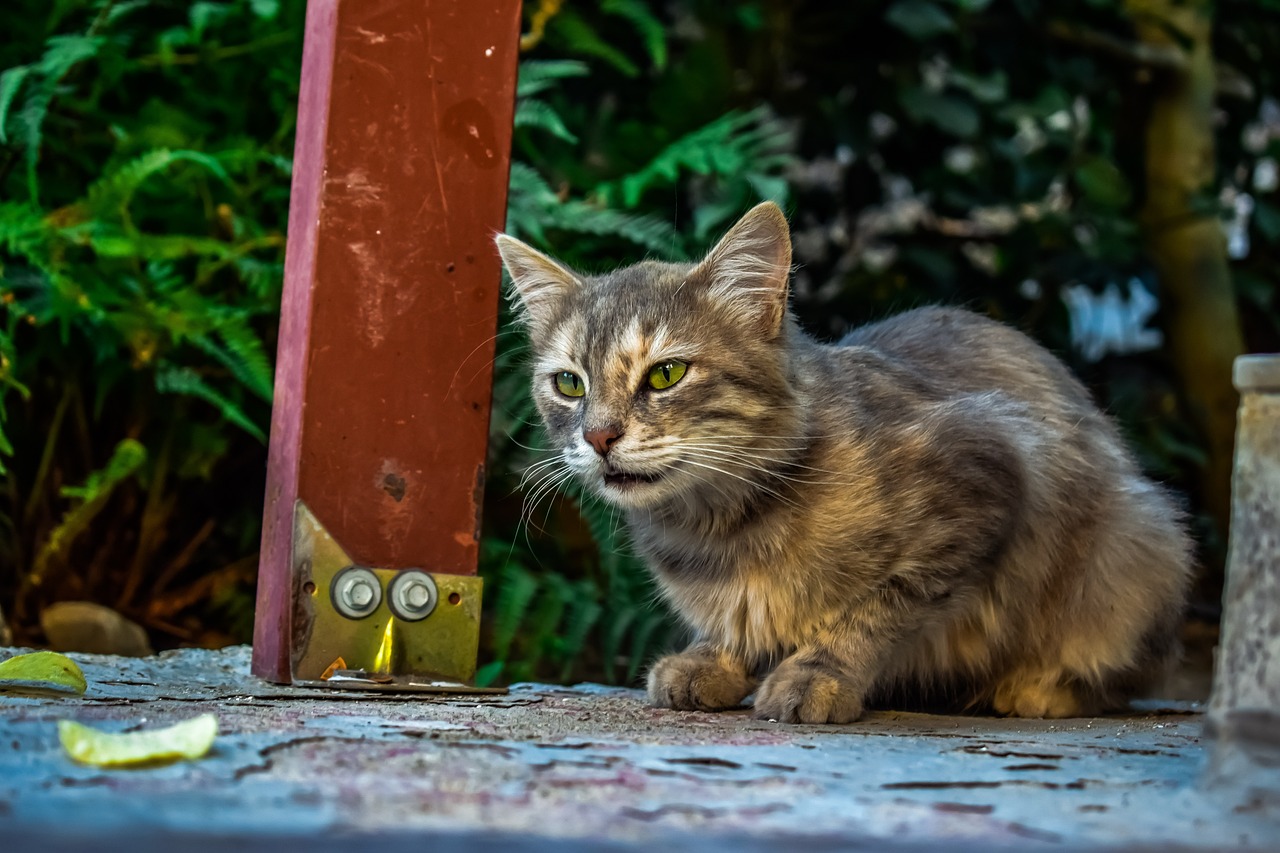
x=697 y=682
x=808 y=693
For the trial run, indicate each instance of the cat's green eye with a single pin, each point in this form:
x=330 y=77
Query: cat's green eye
x=666 y=374
x=570 y=384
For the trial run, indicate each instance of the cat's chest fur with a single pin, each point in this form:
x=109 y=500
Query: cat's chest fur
x=748 y=589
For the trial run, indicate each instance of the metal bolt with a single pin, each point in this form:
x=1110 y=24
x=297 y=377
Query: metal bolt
x=417 y=596
x=359 y=594
x=355 y=592
x=412 y=595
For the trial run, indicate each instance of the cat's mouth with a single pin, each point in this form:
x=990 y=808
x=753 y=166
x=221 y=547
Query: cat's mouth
x=629 y=479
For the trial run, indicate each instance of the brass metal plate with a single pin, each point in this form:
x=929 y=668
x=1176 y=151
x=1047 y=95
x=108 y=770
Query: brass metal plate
x=379 y=652
x=405 y=684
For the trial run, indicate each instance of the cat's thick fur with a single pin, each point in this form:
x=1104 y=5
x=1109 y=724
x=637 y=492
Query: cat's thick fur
x=932 y=508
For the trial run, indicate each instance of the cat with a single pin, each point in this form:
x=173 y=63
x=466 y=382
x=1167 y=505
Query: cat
x=933 y=507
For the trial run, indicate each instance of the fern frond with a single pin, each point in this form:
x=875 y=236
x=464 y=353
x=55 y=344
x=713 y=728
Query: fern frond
x=650 y=29
x=155 y=247
x=533 y=207
x=530 y=112
x=119 y=10
x=30 y=130
x=241 y=353
x=652 y=232
x=19 y=221
x=516 y=590
x=528 y=197
x=111 y=193
x=529 y=186
x=583 y=616
x=538 y=75
x=264 y=278
x=61 y=54
x=126 y=459
x=541 y=629
x=10 y=82
x=581 y=37
x=735 y=143
x=251 y=365
x=183 y=380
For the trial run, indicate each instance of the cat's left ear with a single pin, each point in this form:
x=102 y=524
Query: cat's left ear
x=540 y=282
x=750 y=267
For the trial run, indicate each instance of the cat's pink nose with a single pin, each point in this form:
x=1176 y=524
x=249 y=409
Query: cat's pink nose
x=602 y=439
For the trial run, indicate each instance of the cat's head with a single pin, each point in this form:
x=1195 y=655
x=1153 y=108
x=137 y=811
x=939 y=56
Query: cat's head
x=660 y=382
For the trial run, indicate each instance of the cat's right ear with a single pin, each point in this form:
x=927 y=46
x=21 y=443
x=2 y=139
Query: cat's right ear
x=748 y=271
x=540 y=282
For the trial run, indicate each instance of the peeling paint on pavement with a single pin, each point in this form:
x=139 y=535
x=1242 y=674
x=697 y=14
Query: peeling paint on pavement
x=594 y=764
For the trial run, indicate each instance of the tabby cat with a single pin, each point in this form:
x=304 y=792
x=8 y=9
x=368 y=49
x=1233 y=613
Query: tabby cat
x=931 y=509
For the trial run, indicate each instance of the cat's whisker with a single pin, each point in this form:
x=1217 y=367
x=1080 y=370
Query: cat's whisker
x=746 y=480
x=764 y=454
x=524 y=446
x=477 y=348
x=546 y=481
x=540 y=477
x=548 y=488
x=748 y=460
x=538 y=468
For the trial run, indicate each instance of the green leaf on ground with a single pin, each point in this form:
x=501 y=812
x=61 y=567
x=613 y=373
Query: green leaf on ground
x=189 y=739
x=42 y=673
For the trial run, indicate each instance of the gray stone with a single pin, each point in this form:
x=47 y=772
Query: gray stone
x=594 y=768
x=1244 y=711
x=83 y=626
x=1257 y=373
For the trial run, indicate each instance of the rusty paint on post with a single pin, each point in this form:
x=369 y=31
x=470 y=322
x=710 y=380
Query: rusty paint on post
x=384 y=377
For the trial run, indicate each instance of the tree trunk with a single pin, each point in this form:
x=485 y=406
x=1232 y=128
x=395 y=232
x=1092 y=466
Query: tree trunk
x=1185 y=241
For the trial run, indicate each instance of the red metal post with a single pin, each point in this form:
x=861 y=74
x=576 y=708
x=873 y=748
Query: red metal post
x=391 y=284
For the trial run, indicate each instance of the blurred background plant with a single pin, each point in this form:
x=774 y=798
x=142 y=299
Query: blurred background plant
x=1102 y=174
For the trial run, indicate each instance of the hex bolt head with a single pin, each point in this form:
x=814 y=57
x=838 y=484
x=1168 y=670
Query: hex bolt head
x=359 y=593
x=412 y=595
x=355 y=592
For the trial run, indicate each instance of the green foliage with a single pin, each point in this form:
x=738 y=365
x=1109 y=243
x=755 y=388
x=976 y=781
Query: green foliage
x=142 y=207
x=960 y=151
x=90 y=499
x=743 y=152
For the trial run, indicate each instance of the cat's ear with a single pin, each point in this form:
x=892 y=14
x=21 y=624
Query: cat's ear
x=750 y=267
x=540 y=282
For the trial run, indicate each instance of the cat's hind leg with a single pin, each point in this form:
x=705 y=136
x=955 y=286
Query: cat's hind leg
x=1047 y=693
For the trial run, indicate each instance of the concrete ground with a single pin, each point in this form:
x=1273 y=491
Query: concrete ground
x=593 y=768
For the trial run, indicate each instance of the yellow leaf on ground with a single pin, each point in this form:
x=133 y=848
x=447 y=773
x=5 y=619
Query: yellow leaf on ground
x=188 y=739
x=41 y=673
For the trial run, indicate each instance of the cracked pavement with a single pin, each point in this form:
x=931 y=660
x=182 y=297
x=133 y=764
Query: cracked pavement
x=591 y=767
